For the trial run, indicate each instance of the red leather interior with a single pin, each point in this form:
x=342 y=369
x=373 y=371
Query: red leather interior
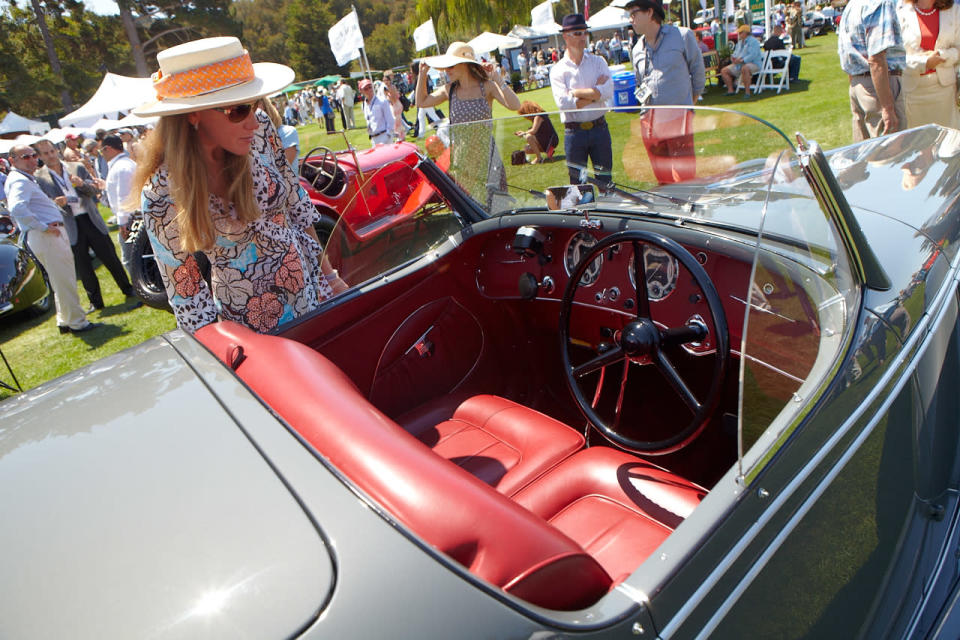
x=494 y=537
x=499 y=441
x=617 y=506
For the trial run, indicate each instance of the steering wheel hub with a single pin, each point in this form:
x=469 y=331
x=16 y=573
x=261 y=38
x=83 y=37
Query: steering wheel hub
x=640 y=338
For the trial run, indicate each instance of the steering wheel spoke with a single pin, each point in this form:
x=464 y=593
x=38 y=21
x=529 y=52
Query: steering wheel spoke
x=640 y=281
x=673 y=377
x=604 y=359
x=641 y=340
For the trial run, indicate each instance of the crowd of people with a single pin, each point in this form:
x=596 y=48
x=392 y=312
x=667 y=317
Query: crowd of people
x=52 y=193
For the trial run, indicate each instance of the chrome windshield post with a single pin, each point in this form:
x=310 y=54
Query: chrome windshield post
x=817 y=171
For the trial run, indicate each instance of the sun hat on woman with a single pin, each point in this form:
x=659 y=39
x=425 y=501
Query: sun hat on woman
x=211 y=72
x=457 y=53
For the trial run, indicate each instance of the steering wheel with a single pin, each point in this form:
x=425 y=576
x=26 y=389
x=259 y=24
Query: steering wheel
x=641 y=342
x=325 y=178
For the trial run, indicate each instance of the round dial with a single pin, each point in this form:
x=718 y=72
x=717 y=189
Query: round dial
x=576 y=249
x=661 y=273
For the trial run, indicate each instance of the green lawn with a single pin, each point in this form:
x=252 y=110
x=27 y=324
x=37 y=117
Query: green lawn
x=817 y=106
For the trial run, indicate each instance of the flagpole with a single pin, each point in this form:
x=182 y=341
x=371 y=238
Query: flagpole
x=364 y=63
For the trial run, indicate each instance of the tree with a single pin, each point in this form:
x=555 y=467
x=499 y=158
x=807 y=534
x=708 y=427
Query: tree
x=264 y=27
x=51 y=53
x=389 y=46
x=306 y=38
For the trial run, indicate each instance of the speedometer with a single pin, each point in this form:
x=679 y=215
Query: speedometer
x=661 y=273
x=578 y=247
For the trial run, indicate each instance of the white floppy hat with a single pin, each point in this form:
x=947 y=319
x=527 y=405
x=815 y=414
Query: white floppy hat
x=457 y=53
x=212 y=72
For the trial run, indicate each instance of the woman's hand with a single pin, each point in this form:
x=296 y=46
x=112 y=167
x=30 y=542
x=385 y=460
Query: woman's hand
x=934 y=60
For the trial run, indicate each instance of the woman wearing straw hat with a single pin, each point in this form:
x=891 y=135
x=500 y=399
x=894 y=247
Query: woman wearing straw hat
x=471 y=90
x=214 y=179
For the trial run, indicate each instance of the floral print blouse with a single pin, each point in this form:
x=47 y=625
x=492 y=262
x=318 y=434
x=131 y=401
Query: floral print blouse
x=263 y=273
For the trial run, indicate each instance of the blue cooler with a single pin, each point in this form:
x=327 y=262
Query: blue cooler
x=624 y=85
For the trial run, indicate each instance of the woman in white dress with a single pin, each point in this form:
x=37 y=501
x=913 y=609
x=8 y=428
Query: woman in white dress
x=931 y=37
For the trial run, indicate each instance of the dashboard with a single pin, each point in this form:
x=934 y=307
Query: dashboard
x=606 y=298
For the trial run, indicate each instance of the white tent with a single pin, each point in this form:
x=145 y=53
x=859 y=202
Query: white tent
x=487 y=42
x=609 y=17
x=527 y=33
x=116 y=94
x=14 y=123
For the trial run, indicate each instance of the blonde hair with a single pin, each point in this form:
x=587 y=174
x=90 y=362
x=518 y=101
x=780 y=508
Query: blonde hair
x=174 y=143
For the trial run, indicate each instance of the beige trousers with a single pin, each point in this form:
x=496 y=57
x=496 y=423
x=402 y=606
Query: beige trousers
x=867 y=121
x=54 y=253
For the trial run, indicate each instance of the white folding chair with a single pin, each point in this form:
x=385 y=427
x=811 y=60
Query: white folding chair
x=755 y=78
x=776 y=70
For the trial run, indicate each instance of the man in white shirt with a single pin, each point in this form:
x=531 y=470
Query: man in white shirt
x=582 y=88
x=120 y=170
x=378 y=114
x=345 y=95
x=41 y=223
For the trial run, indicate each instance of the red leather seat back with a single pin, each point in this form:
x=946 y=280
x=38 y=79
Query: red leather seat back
x=458 y=514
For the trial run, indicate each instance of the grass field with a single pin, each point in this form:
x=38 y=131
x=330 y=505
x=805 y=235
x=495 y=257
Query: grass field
x=817 y=106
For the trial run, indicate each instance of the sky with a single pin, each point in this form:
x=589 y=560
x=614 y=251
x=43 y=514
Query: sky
x=103 y=7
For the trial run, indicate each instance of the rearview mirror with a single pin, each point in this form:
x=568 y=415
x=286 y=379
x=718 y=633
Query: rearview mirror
x=570 y=196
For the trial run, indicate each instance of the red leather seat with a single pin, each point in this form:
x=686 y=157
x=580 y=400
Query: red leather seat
x=505 y=444
x=618 y=507
x=489 y=534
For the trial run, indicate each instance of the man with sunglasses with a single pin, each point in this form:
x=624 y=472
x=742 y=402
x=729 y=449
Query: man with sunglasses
x=72 y=188
x=40 y=221
x=668 y=67
x=582 y=88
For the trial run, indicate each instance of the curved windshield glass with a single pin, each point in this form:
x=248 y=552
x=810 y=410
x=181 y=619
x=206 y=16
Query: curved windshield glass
x=787 y=289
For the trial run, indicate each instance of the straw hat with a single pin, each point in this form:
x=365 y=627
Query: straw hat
x=744 y=28
x=212 y=72
x=457 y=53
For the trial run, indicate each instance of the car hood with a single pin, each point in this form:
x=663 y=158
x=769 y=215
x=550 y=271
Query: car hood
x=135 y=507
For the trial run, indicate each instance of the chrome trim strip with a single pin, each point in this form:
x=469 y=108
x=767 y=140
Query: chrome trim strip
x=768 y=366
x=920 y=335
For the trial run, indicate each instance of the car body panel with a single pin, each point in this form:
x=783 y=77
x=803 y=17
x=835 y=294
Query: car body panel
x=22 y=284
x=838 y=520
x=155 y=500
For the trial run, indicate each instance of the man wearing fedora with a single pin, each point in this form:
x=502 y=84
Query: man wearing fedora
x=378 y=114
x=668 y=66
x=582 y=88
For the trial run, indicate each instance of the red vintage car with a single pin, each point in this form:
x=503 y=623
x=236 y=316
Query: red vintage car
x=333 y=181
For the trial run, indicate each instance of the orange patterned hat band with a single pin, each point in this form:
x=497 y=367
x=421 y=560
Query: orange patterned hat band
x=201 y=80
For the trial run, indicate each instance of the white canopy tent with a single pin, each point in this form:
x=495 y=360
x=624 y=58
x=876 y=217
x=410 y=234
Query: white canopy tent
x=23 y=138
x=610 y=17
x=487 y=42
x=14 y=123
x=528 y=33
x=116 y=95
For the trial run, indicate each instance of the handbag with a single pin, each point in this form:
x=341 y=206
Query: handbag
x=518 y=157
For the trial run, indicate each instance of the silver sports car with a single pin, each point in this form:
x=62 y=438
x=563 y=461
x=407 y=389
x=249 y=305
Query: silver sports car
x=712 y=394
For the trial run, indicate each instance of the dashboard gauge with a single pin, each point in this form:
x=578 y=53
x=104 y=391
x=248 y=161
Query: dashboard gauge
x=661 y=271
x=578 y=247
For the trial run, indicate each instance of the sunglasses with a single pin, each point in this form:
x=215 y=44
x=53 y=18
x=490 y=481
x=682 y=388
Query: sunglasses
x=28 y=156
x=238 y=112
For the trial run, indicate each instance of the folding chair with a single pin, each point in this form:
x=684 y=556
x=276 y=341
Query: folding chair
x=776 y=71
x=711 y=67
x=755 y=78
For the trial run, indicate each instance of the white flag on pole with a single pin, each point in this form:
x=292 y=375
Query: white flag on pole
x=424 y=36
x=542 y=15
x=346 y=39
